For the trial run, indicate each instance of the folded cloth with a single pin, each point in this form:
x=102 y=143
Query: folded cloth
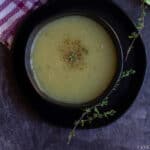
x=12 y=12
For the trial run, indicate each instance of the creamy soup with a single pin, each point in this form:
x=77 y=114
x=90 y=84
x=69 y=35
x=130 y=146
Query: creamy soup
x=73 y=59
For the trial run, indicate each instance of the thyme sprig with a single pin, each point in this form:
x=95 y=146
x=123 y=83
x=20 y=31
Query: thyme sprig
x=94 y=112
x=140 y=25
x=89 y=115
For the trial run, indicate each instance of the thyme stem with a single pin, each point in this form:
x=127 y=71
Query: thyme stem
x=72 y=132
x=140 y=26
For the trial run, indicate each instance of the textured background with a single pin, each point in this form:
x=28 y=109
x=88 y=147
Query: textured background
x=21 y=129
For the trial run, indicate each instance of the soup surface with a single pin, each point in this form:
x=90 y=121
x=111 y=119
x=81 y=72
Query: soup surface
x=73 y=59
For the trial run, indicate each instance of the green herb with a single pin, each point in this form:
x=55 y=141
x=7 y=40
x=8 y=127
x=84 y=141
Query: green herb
x=109 y=113
x=104 y=102
x=124 y=74
x=147 y=2
x=128 y=73
x=73 y=57
x=133 y=35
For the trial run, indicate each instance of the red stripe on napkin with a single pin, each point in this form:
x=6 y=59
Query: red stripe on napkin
x=11 y=14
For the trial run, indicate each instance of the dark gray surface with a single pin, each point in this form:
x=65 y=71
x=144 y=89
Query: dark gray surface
x=21 y=129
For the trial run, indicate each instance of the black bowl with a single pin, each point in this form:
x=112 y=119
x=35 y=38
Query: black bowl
x=94 y=16
x=124 y=95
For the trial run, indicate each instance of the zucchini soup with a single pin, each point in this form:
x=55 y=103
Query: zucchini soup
x=73 y=59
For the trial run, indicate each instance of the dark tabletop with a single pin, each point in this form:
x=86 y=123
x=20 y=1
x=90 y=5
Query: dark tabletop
x=22 y=130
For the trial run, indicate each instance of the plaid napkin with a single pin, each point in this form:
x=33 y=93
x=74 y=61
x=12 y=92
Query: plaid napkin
x=11 y=14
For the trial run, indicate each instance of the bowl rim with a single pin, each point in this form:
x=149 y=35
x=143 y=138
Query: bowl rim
x=114 y=37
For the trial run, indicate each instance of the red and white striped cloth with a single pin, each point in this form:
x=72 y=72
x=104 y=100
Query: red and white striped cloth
x=11 y=14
